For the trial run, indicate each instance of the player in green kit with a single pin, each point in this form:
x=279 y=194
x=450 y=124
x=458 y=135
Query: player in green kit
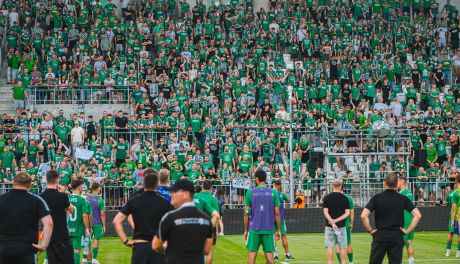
x=261 y=219
x=210 y=205
x=78 y=221
x=402 y=182
x=348 y=227
x=283 y=198
x=454 y=199
x=87 y=253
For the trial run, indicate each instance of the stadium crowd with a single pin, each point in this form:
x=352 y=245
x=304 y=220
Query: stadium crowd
x=210 y=87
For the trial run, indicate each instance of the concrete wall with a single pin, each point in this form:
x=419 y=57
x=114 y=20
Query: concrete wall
x=94 y=110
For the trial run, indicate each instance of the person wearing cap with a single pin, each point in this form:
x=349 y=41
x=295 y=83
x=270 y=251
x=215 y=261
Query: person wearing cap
x=186 y=230
x=147 y=209
x=336 y=208
x=18 y=231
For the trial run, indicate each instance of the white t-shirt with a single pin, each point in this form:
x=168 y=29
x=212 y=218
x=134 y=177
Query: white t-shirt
x=77 y=134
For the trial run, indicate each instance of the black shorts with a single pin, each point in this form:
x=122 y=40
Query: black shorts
x=214 y=236
x=240 y=191
x=60 y=252
x=143 y=254
x=23 y=259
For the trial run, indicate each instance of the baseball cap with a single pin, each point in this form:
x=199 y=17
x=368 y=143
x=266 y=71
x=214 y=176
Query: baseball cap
x=184 y=185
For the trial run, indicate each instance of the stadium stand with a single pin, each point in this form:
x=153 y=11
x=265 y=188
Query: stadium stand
x=307 y=90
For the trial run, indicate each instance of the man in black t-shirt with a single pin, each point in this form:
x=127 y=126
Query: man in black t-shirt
x=389 y=207
x=336 y=209
x=18 y=231
x=187 y=230
x=147 y=208
x=60 y=249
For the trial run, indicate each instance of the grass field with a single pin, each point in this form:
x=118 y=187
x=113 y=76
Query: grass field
x=306 y=248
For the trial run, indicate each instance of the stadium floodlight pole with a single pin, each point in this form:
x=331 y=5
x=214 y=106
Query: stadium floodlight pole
x=291 y=177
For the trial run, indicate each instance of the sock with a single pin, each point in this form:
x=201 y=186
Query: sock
x=95 y=251
x=89 y=261
x=449 y=245
x=350 y=257
x=288 y=254
x=458 y=246
x=411 y=260
x=76 y=258
x=338 y=257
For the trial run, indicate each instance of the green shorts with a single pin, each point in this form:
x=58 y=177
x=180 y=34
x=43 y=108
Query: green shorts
x=449 y=227
x=348 y=236
x=283 y=229
x=410 y=236
x=98 y=232
x=255 y=240
x=78 y=242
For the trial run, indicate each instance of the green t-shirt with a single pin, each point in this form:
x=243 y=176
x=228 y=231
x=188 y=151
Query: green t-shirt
x=202 y=204
x=407 y=215
x=7 y=159
x=248 y=202
x=75 y=220
x=352 y=206
x=456 y=201
x=207 y=196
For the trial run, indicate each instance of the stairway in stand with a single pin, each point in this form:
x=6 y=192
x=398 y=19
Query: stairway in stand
x=6 y=95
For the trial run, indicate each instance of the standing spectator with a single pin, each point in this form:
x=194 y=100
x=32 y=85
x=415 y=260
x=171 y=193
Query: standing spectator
x=18 y=231
x=389 y=207
x=77 y=137
x=187 y=230
x=60 y=247
x=19 y=97
x=336 y=209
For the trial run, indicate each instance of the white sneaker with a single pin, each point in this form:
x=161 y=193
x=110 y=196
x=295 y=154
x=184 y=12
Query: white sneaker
x=95 y=261
x=448 y=253
x=83 y=261
x=458 y=254
x=45 y=261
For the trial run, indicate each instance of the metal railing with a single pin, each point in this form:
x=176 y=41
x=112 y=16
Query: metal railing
x=78 y=94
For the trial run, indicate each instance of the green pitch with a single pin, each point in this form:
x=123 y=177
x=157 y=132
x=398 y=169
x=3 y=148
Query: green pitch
x=306 y=248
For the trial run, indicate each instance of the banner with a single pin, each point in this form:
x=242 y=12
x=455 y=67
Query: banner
x=84 y=154
x=241 y=182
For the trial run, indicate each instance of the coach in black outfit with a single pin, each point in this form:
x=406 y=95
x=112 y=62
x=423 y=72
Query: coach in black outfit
x=147 y=209
x=389 y=207
x=20 y=213
x=187 y=230
x=60 y=249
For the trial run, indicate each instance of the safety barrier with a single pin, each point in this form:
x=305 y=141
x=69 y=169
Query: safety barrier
x=77 y=94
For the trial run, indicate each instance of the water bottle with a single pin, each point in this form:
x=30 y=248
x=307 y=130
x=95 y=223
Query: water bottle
x=85 y=246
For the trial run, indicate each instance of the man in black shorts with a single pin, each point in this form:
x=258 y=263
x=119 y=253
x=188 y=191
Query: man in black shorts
x=18 y=231
x=147 y=208
x=60 y=249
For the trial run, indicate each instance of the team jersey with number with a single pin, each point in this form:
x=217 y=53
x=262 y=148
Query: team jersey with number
x=75 y=220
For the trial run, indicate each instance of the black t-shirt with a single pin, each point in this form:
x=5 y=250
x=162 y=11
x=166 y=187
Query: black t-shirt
x=121 y=121
x=20 y=213
x=337 y=203
x=389 y=207
x=186 y=230
x=57 y=203
x=147 y=209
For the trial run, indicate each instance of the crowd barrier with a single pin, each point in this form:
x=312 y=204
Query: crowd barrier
x=76 y=94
